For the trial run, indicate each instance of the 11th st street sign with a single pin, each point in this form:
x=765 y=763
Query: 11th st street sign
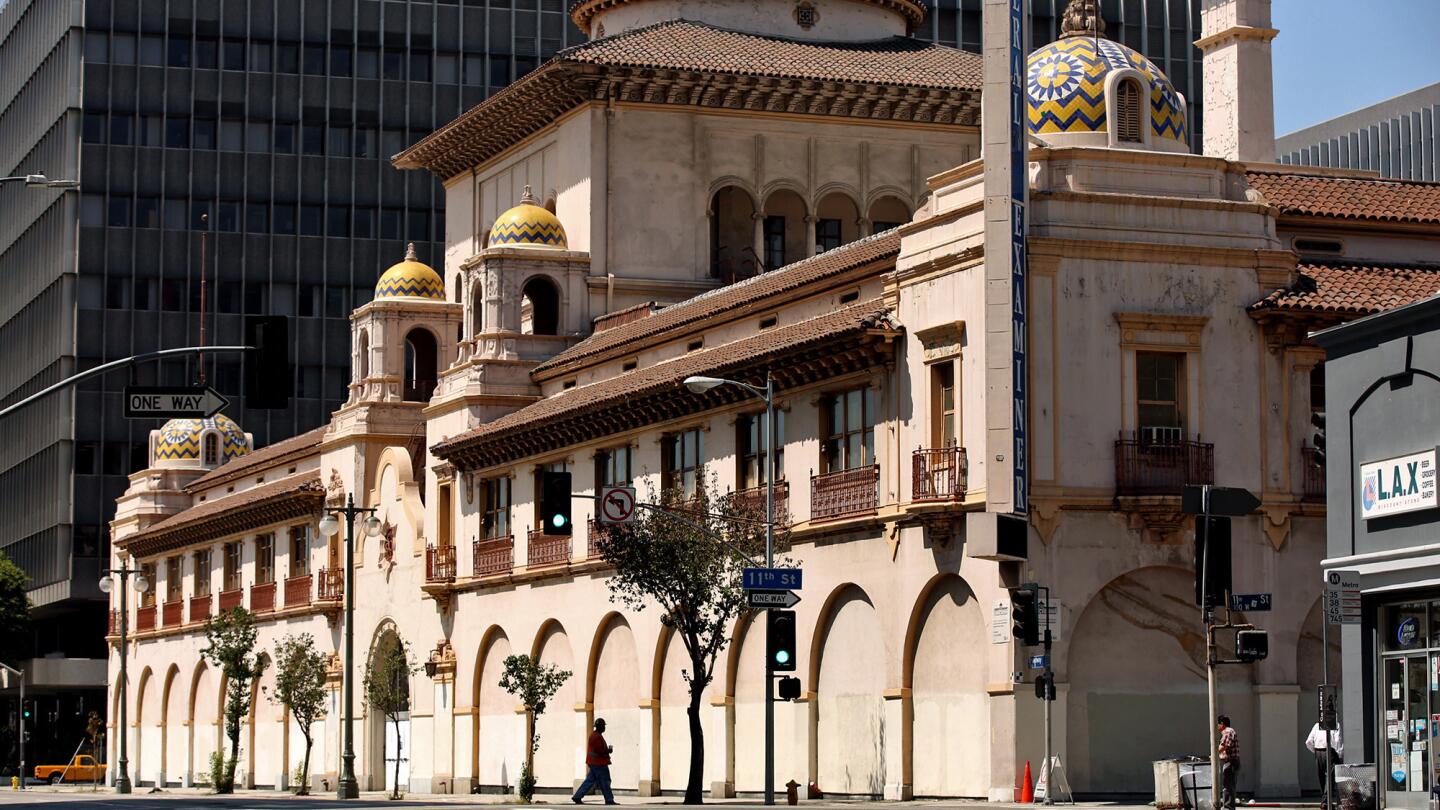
x=173 y=402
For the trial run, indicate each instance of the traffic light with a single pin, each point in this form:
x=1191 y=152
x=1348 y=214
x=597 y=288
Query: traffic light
x=268 y=373
x=789 y=688
x=1317 y=418
x=1212 y=535
x=1025 y=615
x=780 y=640
x=1252 y=645
x=555 y=502
x=28 y=709
x=1045 y=686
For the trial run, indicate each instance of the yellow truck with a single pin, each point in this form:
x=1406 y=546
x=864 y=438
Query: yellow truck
x=82 y=768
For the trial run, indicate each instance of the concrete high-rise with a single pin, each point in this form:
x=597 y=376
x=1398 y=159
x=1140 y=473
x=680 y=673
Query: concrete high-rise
x=1395 y=138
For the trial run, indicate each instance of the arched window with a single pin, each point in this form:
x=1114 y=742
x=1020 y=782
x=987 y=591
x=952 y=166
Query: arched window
x=210 y=456
x=420 y=364
x=477 y=309
x=1127 y=112
x=539 y=308
x=364 y=355
x=732 y=235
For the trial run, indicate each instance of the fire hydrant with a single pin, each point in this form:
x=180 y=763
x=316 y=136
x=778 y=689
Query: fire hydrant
x=792 y=793
x=14 y=783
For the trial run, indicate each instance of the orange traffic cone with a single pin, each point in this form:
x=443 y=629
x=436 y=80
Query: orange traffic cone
x=1027 y=792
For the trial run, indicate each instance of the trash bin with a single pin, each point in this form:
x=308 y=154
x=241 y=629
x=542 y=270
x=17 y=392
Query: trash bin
x=1195 y=783
x=1355 y=786
x=1175 y=778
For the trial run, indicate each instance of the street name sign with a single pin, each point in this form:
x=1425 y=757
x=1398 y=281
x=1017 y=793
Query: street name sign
x=1224 y=501
x=1342 y=597
x=617 y=505
x=772 y=579
x=1398 y=485
x=173 y=402
x=1250 y=602
x=766 y=600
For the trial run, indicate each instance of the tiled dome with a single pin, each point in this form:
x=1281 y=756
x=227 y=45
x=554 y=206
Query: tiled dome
x=179 y=439
x=1066 y=88
x=527 y=224
x=410 y=279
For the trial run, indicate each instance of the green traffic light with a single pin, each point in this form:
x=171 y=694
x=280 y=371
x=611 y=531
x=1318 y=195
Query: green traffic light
x=782 y=656
x=558 y=521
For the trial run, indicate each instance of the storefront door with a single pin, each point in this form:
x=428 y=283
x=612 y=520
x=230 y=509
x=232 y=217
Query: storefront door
x=1410 y=697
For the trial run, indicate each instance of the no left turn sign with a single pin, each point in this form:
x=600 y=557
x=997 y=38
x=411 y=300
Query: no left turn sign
x=617 y=504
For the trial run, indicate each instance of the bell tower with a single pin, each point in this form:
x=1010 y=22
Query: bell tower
x=1239 y=81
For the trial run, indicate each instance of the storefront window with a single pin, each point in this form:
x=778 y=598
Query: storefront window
x=1405 y=627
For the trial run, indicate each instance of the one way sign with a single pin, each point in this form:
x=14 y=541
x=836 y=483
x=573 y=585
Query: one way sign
x=172 y=402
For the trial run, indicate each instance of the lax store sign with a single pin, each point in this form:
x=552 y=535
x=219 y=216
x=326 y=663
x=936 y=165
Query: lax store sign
x=1398 y=485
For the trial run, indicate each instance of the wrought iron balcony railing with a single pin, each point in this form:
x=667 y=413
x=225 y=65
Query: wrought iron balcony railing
x=846 y=493
x=939 y=474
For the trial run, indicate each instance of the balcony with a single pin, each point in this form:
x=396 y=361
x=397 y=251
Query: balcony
x=494 y=555
x=547 y=549
x=939 y=474
x=596 y=530
x=440 y=563
x=752 y=501
x=262 y=597
x=173 y=614
x=199 y=608
x=297 y=591
x=114 y=629
x=847 y=493
x=1313 y=476
x=332 y=585
x=229 y=600
x=1153 y=467
x=145 y=619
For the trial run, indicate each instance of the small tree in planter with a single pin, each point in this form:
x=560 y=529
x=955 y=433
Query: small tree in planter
x=300 y=687
x=534 y=685
x=387 y=690
x=231 y=648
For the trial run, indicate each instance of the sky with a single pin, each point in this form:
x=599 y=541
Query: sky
x=1336 y=56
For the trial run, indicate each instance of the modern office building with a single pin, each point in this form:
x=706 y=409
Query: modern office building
x=1396 y=138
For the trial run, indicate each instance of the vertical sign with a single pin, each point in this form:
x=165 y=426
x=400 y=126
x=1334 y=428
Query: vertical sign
x=1019 y=186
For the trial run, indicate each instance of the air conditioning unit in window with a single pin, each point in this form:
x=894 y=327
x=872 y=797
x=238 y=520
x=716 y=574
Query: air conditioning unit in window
x=1161 y=435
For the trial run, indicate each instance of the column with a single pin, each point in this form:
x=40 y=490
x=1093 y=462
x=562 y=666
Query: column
x=648 y=748
x=896 y=714
x=583 y=713
x=1278 y=737
x=867 y=228
x=759 y=219
x=720 y=746
x=809 y=235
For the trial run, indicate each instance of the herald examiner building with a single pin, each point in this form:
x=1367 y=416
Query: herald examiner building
x=793 y=189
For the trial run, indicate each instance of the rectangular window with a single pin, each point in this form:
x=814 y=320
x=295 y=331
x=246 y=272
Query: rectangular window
x=612 y=467
x=1317 y=387
x=172 y=295
x=849 y=426
x=122 y=129
x=147 y=597
x=1160 y=396
x=147 y=212
x=282 y=219
x=284 y=139
x=92 y=210
x=337 y=221
x=151 y=131
x=752 y=452
x=312 y=139
x=152 y=49
x=201 y=562
x=340 y=61
x=943 y=428
x=260 y=57
x=177 y=51
x=232 y=54
x=142 y=301
x=207 y=54
x=684 y=457
x=115 y=293
x=314 y=56
x=287 y=57
x=92 y=128
x=177 y=132
x=474 y=70
x=174 y=585
x=447 y=68
x=299 y=550
x=231 y=574
x=392 y=64
x=264 y=559
x=390 y=219
x=419 y=66
x=122 y=49
x=367 y=63
x=204 y=136
x=774 y=239
x=495 y=507
x=312 y=220
x=364 y=223
x=118 y=213
x=364 y=145
x=827 y=235
x=418 y=226
x=257 y=218
x=227 y=216
x=339 y=141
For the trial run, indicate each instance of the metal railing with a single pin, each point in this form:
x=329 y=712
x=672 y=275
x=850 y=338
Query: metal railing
x=845 y=493
x=439 y=563
x=173 y=613
x=297 y=590
x=547 y=549
x=114 y=629
x=262 y=596
x=493 y=555
x=1148 y=468
x=751 y=500
x=1312 y=475
x=596 y=531
x=200 y=608
x=331 y=587
x=145 y=619
x=939 y=474
x=229 y=600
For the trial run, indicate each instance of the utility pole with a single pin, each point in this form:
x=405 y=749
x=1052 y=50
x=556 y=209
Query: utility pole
x=1208 y=618
x=769 y=563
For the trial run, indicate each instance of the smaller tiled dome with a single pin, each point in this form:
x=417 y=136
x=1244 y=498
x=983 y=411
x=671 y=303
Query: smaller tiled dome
x=180 y=440
x=410 y=279
x=527 y=224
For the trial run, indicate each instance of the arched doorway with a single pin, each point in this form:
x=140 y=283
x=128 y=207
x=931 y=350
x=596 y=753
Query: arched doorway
x=539 y=307
x=387 y=739
x=886 y=213
x=837 y=221
x=615 y=694
x=849 y=715
x=499 y=736
x=948 y=697
x=555 y=761
x=420 y=365
x=784 y=231
x=732 y=235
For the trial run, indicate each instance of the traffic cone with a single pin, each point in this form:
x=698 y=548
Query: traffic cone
x=1027 y=791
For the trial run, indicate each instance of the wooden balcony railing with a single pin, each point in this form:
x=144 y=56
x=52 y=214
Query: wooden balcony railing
x=1313 y=475
x=297 y=590
x=596 y=530
x=332 y=585
x=200 y=608
x=493 y=555
x=939 y=474
x=145 y=619
x=229 y=600
x=1161 y=468
x=173 y=614
x=262 y=597
x=846 y=493
x=439 y=563
x=752 y=501
x=547 y=549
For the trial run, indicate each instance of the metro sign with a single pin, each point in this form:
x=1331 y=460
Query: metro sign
x=1398 y=485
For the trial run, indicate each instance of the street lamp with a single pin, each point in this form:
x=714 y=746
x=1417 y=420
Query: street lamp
x=700 y=385
x=41 y=181
x=348 y=787
x=142 y=584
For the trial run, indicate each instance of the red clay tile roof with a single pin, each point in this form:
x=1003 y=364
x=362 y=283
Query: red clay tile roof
x=288 y=498
x=1354 y=198
x=634 y=398
x=295 y=447
x=764 y=291
x=1353 y=290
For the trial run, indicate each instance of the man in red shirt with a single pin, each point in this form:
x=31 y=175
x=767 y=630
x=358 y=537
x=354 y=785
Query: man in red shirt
x=597 y=759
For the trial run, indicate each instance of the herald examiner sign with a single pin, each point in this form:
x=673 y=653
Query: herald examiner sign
x=1398 y=485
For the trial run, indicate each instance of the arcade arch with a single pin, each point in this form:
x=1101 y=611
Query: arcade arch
x=732 y=234
x=539 y=307
x=837 y=221
x=848 y=719
x=614 y=693
x=785 y=230
x=887 y=212
x=555 y=762
x=421 y=358
x=495 y=763
x=948 y=696
x=173 y=762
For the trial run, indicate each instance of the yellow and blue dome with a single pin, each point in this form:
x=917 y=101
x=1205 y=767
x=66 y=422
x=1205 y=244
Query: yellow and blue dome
x=527 y=224
x=1066 y=88
x=410 y=279
x=180 y=439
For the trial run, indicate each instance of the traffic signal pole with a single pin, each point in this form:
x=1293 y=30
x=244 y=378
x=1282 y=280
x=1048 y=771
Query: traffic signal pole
x=20 y=673
x=769 y=563
x=1207 y=618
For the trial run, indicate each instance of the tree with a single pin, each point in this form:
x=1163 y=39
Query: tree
x=534 y=685
x=95 y=731
x=14 y=612
x=674 y=556
x=387 y=689
x=231 y=648
x=300 y=687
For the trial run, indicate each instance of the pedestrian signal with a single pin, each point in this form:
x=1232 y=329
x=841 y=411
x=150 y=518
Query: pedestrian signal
x=789 y=688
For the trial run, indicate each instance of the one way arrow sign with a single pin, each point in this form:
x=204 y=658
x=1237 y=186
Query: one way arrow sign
x=172 y=402
x=771 y=599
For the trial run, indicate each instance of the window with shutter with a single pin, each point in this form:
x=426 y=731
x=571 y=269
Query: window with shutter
x=1127 y=112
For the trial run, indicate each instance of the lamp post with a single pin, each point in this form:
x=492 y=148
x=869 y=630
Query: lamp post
x=699 y=385
x=41 y=181
x=107 y=582
x=348 y=787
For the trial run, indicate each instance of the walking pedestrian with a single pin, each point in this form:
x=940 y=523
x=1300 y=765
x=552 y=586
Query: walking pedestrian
x=1328 y=749
x=1229 y=762
x=597 y=760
